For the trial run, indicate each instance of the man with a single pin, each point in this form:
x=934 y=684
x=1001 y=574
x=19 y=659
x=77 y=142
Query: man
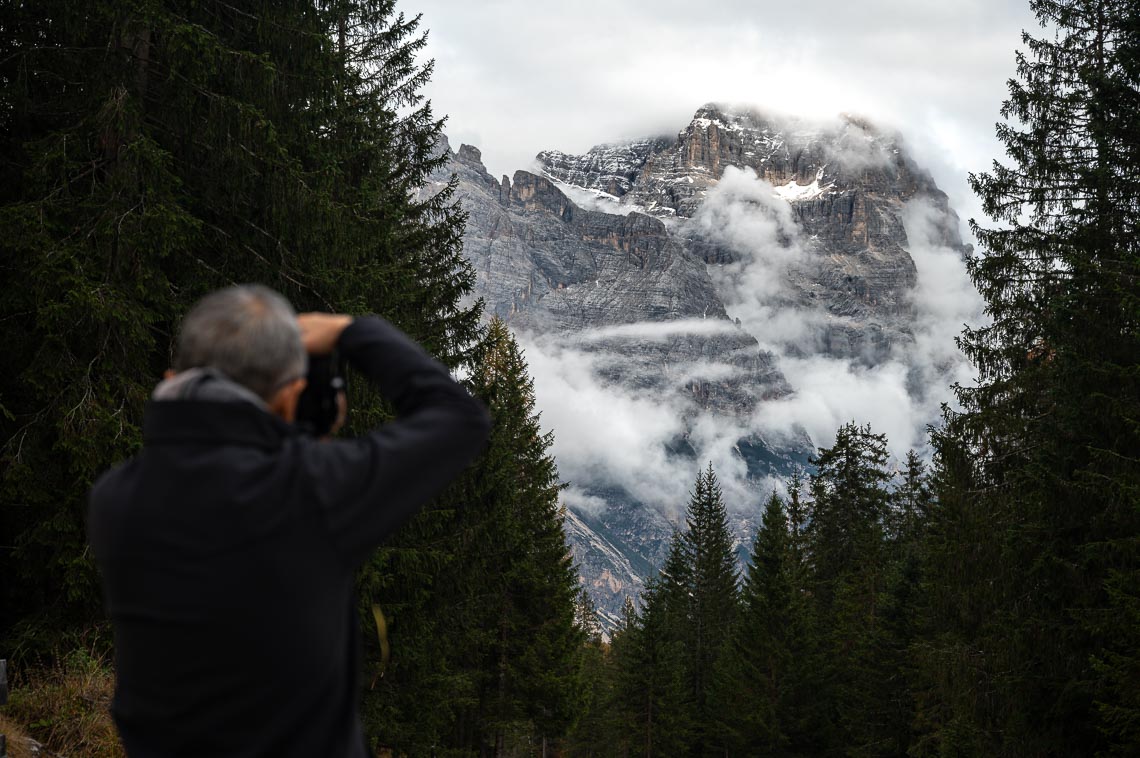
x=228 y=545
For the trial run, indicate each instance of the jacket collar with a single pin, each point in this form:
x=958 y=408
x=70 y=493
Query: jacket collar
x=203 y=383
x=172 y=422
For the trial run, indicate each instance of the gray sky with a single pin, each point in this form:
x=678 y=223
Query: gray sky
x=519 y=76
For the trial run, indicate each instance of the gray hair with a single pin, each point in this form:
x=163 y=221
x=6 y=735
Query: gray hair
x=249 y=333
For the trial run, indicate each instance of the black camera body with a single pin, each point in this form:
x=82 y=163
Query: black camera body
x=319 y=404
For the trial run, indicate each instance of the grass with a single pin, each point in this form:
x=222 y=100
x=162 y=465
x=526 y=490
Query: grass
x=65 y=706
x=18 y=745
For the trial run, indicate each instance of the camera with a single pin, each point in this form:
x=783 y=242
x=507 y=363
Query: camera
x=319 y=404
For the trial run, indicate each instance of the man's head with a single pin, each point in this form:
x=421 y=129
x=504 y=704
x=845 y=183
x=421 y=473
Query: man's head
x=250 y=334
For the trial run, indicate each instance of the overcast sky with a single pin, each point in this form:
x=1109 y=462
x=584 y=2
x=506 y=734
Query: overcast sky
x=519 y=76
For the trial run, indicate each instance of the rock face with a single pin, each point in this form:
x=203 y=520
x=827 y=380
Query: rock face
x=642 y=286
x=846 y=182
x=551 y=268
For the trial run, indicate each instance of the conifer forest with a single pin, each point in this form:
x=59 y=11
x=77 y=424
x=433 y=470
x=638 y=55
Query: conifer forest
x=982 y=602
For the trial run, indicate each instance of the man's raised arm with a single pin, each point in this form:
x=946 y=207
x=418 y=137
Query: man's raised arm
x=372 y=484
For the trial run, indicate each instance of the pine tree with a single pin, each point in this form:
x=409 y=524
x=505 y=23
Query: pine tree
x=910 y=501
x=593 y=733
x=960 y=563
x=750 y=694
x=910 y=505
x=798 y=517
x=713 y=600
x=657 y=676
x=624 y=706
x=684 y=628
x=673 y=588
x=1051 y=428
x=850 y=507
x=848 y=577
x=805 y=718
x=515 y=574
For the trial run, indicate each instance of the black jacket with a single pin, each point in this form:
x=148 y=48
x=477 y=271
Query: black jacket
x=228 y=548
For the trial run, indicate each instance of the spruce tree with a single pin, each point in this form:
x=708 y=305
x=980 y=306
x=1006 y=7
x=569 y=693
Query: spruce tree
x=516 y=579
x=653 y=675
x=624 y=706
x=846 y=539
x=850 y=507
x=910 y=501
x=798 y=518
x=674 y=587
x=960 y=565
x=901 y=600
x=592 y=734
x=804 y=716
x=1051 y=428
x=686 y=623
x=750 y=693
x=713 y=600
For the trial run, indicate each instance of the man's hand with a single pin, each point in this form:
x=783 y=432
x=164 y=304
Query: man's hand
x=320 y=331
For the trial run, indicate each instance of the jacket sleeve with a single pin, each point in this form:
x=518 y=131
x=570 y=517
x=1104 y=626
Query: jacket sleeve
x=369 y=486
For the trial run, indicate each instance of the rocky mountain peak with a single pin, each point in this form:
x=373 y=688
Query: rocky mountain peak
x=471 y=156
x=611 y=169
x=669 y=177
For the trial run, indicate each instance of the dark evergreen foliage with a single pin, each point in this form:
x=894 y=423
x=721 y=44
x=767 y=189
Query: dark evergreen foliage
x=666 y=656
x=711 y=590
x=530 y=588
x=593 y=734
x=750 y=698
x=658 y=679
x=850 y=507
x=624 y=723
x=848 y=577
x=487 y=634
x=1048 y=443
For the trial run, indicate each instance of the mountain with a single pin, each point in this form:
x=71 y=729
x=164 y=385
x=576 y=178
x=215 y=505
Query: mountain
x=846 y=183
x=659 y=287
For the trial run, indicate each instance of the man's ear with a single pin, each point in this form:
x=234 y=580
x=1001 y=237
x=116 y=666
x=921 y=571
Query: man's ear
x=169 y=373
x=284 y=401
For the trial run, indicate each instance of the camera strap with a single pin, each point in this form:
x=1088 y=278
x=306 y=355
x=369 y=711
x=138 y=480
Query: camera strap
x=382 y=635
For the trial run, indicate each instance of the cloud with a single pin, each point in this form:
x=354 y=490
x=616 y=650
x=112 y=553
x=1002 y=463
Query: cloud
x=944 y=298
x=580 y=501
x=605 y=435
x=657 y=331
x=747 y=216
x=516 y=77
x=594 y=200
x=830 y=392
x=611 y=436
x=858 y=148
x=899 y=396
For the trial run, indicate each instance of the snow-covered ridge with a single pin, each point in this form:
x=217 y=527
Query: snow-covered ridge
x=669 y=178
x=705 y=123
x=796 y=192
x=592 y=199
x=610 y=168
